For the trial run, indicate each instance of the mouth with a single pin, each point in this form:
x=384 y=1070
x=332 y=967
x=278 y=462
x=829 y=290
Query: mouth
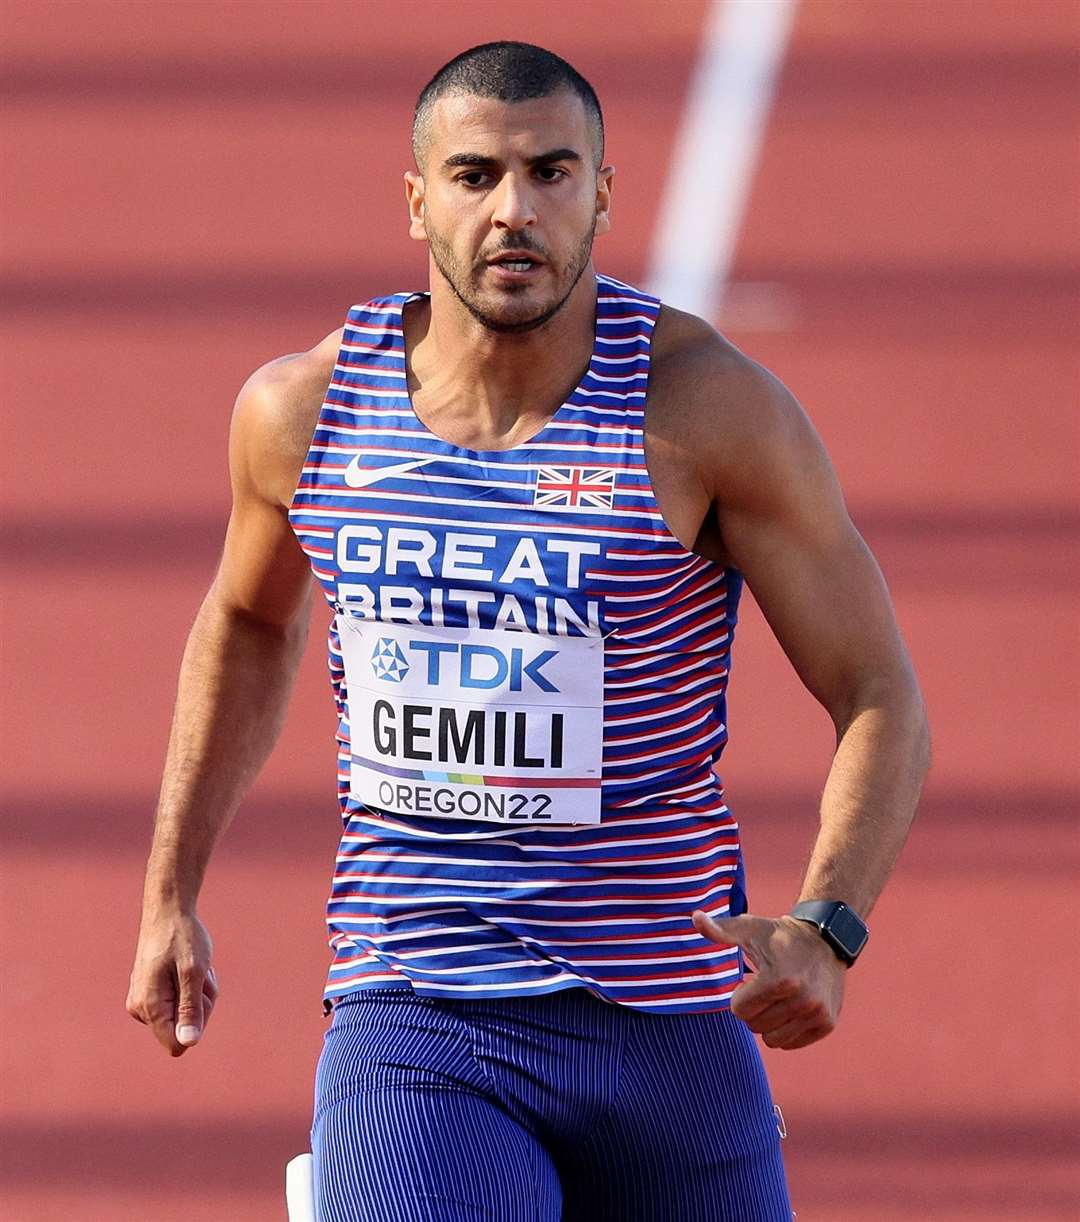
x=515 y=264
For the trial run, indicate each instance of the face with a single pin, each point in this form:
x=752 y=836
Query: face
x=509 y=201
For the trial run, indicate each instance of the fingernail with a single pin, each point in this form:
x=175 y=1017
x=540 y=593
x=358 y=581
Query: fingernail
x=187 y=1035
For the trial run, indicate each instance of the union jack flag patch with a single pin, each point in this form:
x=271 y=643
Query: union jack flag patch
x=574 y=487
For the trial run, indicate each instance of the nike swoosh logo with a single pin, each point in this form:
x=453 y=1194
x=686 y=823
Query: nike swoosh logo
x=357 y=476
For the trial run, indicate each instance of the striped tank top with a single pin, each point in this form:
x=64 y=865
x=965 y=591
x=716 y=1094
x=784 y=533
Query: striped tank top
x=529 y=672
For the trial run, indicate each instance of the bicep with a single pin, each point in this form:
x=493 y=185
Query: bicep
x=264 y=573
x=786 y=527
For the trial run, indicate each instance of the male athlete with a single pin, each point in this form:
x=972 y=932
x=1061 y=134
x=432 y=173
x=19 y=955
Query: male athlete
x=530 y=496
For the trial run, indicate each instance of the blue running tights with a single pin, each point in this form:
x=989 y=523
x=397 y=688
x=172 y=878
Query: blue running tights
x=561 y=1107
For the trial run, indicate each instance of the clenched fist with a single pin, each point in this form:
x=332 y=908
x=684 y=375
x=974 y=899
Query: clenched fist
x=173 y=987
x=794 y=996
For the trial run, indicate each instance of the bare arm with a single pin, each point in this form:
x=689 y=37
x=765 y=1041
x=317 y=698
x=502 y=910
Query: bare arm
x=786 y=527
x=235 y=679
x=771 y=506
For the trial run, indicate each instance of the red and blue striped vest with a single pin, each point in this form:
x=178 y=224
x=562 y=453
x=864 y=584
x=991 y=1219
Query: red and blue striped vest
x=538 y=671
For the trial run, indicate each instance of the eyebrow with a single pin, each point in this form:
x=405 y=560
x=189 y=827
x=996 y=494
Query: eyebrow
x=478 y=159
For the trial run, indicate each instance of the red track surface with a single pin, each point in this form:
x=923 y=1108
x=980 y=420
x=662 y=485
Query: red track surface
x=203 y=187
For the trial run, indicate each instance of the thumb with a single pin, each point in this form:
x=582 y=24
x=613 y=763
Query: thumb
x=735 y=931
x=189 y=1010
x=746 y=932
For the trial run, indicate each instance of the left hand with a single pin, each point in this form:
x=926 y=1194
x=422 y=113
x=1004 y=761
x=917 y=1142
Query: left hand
x=795 y=995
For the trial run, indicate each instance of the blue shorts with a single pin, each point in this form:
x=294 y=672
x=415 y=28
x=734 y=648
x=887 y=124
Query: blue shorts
x=536 y=1109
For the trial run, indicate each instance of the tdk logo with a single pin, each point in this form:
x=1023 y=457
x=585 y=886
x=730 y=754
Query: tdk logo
x=387 y=661
x=483 y=666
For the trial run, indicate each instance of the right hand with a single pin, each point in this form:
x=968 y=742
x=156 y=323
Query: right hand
x=173 y=987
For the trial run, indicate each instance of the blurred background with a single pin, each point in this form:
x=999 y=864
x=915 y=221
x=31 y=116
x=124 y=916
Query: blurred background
x=193 y=189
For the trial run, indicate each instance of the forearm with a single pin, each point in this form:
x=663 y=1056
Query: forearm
x=233 y=691
x=870 y=797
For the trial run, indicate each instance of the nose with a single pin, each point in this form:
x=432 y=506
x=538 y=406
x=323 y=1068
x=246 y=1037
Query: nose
x=513 y=206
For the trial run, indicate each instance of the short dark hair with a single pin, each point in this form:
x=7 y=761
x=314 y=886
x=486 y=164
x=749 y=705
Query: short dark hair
x=511 y=72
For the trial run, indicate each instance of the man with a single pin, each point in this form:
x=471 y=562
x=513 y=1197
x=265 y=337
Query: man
x=530 y=497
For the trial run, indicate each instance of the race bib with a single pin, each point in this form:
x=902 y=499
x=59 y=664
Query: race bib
x=474 y=723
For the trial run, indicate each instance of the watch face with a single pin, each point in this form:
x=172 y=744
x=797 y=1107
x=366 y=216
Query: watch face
x=848 y=930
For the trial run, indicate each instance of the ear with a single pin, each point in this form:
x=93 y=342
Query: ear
x=604 y=182
x=414 y=195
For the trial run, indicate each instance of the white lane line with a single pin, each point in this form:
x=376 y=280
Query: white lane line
x=743 y=46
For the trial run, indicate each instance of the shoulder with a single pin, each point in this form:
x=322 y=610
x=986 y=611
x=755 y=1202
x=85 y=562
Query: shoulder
x=279 y=398
x=706 y=373
x=275 y=414
x=729 y=416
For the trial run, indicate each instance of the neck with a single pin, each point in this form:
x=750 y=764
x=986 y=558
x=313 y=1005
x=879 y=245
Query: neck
x=469 y=382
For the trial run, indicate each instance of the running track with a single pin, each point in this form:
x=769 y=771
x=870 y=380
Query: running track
x=202 y=187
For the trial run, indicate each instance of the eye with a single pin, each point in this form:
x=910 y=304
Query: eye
x=473 y=178
x=550 y=173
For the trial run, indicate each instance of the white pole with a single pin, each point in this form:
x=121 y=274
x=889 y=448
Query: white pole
x=716 y=151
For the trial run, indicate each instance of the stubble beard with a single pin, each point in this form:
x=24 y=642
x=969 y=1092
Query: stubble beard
x=459 y=281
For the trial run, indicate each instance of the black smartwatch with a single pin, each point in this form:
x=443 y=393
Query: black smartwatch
x=842 y=928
